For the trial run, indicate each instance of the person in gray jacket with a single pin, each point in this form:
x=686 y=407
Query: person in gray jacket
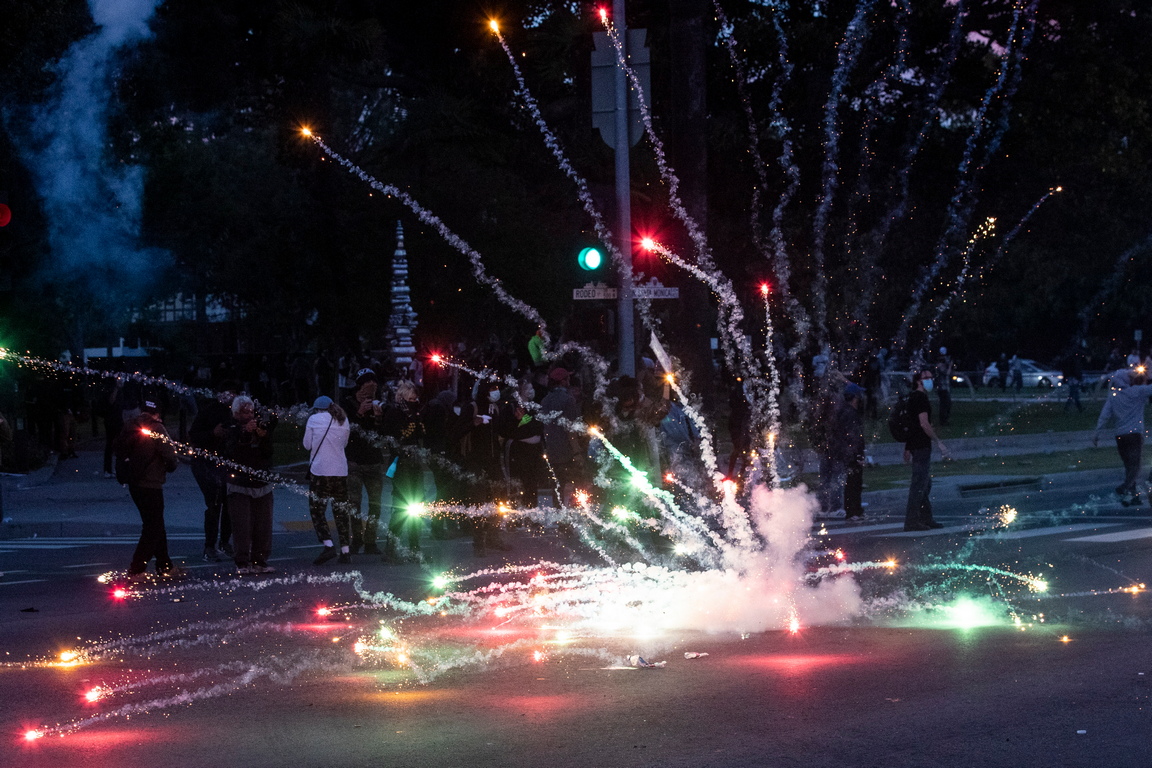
x=1124 y=407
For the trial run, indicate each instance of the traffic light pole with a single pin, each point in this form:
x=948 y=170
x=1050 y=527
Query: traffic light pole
x=626 y=333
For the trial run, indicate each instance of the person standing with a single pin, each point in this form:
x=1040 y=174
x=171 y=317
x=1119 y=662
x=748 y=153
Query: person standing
x=207 y=433
x=144 y=462
x=325 y=437
x=560 y=412
x=944 y=366
x=365 y=460
x=1124 y=406
x=248 y=442
x=1073 y=379
x=402 y=423
x=918 y=453
x=850 y=426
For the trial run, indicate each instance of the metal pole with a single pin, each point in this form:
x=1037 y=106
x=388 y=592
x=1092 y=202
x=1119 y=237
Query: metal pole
x=626 y=334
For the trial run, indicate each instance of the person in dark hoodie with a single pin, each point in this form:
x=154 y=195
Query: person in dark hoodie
x=365 y=460
x=154 y=458
x=248 y=442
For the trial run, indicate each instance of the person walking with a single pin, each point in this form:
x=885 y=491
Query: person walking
x=144 y=457
x=325 y=437
x=248 y=442
x=1124 y=407
x=918 y=453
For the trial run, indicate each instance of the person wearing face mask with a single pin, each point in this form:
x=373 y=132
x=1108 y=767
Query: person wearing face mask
x=918 y=453
x=402 y=423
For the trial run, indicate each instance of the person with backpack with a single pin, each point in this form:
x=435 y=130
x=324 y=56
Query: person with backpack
x=918 y=453
x=325 y=437
x=144 y=457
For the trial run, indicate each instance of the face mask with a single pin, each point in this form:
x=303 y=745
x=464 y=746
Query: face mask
x=529 y=393
x=927 y=385
x=456 y=410
x=494 y=395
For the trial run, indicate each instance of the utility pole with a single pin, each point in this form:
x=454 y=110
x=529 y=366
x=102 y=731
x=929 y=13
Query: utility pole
x=615 y=112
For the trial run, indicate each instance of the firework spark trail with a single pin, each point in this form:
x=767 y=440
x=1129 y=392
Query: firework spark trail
x=671 y=513
x=773 y=246
x=732 y=336
x=586 y=200
x=962 y=203
x=479 y=271
x=280 y=670
x=874 y=96
x=1116 y=278
x=982 y=232
x=878 y=238
x=965 y=276
x=737 y=350
x=855 y=36
x=1016 y=230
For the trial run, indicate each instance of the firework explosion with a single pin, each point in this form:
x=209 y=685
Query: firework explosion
x=698 y=552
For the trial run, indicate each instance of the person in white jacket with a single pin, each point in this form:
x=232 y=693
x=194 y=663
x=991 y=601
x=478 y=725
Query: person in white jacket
x=1124 y=408
x=325 y=437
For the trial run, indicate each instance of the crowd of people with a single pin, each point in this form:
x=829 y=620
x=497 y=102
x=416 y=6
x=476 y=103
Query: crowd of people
x=386 y=442
x=379 y=451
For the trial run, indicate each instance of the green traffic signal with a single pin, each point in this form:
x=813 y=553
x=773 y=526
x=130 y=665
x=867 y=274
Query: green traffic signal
x=590 y=259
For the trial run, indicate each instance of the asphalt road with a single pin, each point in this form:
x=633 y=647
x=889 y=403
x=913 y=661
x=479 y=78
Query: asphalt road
x=212 y=671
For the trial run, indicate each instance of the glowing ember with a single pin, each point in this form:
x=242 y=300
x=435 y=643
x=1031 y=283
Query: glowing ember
x=119 y=593
x=33 y=735
x=306 y=132
x=95 y=694
x=494 y=26
x=322 y=611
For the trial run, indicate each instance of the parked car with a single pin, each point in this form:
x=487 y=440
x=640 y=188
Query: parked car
x=1033 y=374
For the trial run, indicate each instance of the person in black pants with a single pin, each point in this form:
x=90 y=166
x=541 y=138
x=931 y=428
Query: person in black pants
x=918 y=453
x=207 y=432
x=152 y=458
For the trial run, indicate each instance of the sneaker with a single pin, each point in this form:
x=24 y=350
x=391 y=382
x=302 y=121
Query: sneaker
x=344 y=559
x=325 y=555
x=138 y=576
x=244 y=570
x=934 y=524
x=211 y=555
x=171 y=572
x=263 y=569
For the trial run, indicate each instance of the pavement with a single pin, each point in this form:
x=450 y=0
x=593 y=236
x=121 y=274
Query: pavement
x=217 y=670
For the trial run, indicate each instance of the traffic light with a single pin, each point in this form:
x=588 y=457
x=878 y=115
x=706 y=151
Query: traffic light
x=590 y=259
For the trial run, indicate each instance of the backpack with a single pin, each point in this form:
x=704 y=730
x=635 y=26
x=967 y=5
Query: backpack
x=900 y=420
x=132 y=457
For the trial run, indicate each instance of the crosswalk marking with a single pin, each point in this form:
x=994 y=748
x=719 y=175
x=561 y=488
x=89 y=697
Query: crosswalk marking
x=1033 y=532
x=935 y=531
x=1130 y=535
x=863 y=528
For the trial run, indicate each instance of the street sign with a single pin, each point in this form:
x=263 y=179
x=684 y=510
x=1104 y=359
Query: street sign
x=655 y=292
x=592 y=292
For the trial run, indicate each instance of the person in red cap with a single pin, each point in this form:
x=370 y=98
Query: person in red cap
x=144 y=459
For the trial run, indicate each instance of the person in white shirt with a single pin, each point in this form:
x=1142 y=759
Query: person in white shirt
x=325 y=437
